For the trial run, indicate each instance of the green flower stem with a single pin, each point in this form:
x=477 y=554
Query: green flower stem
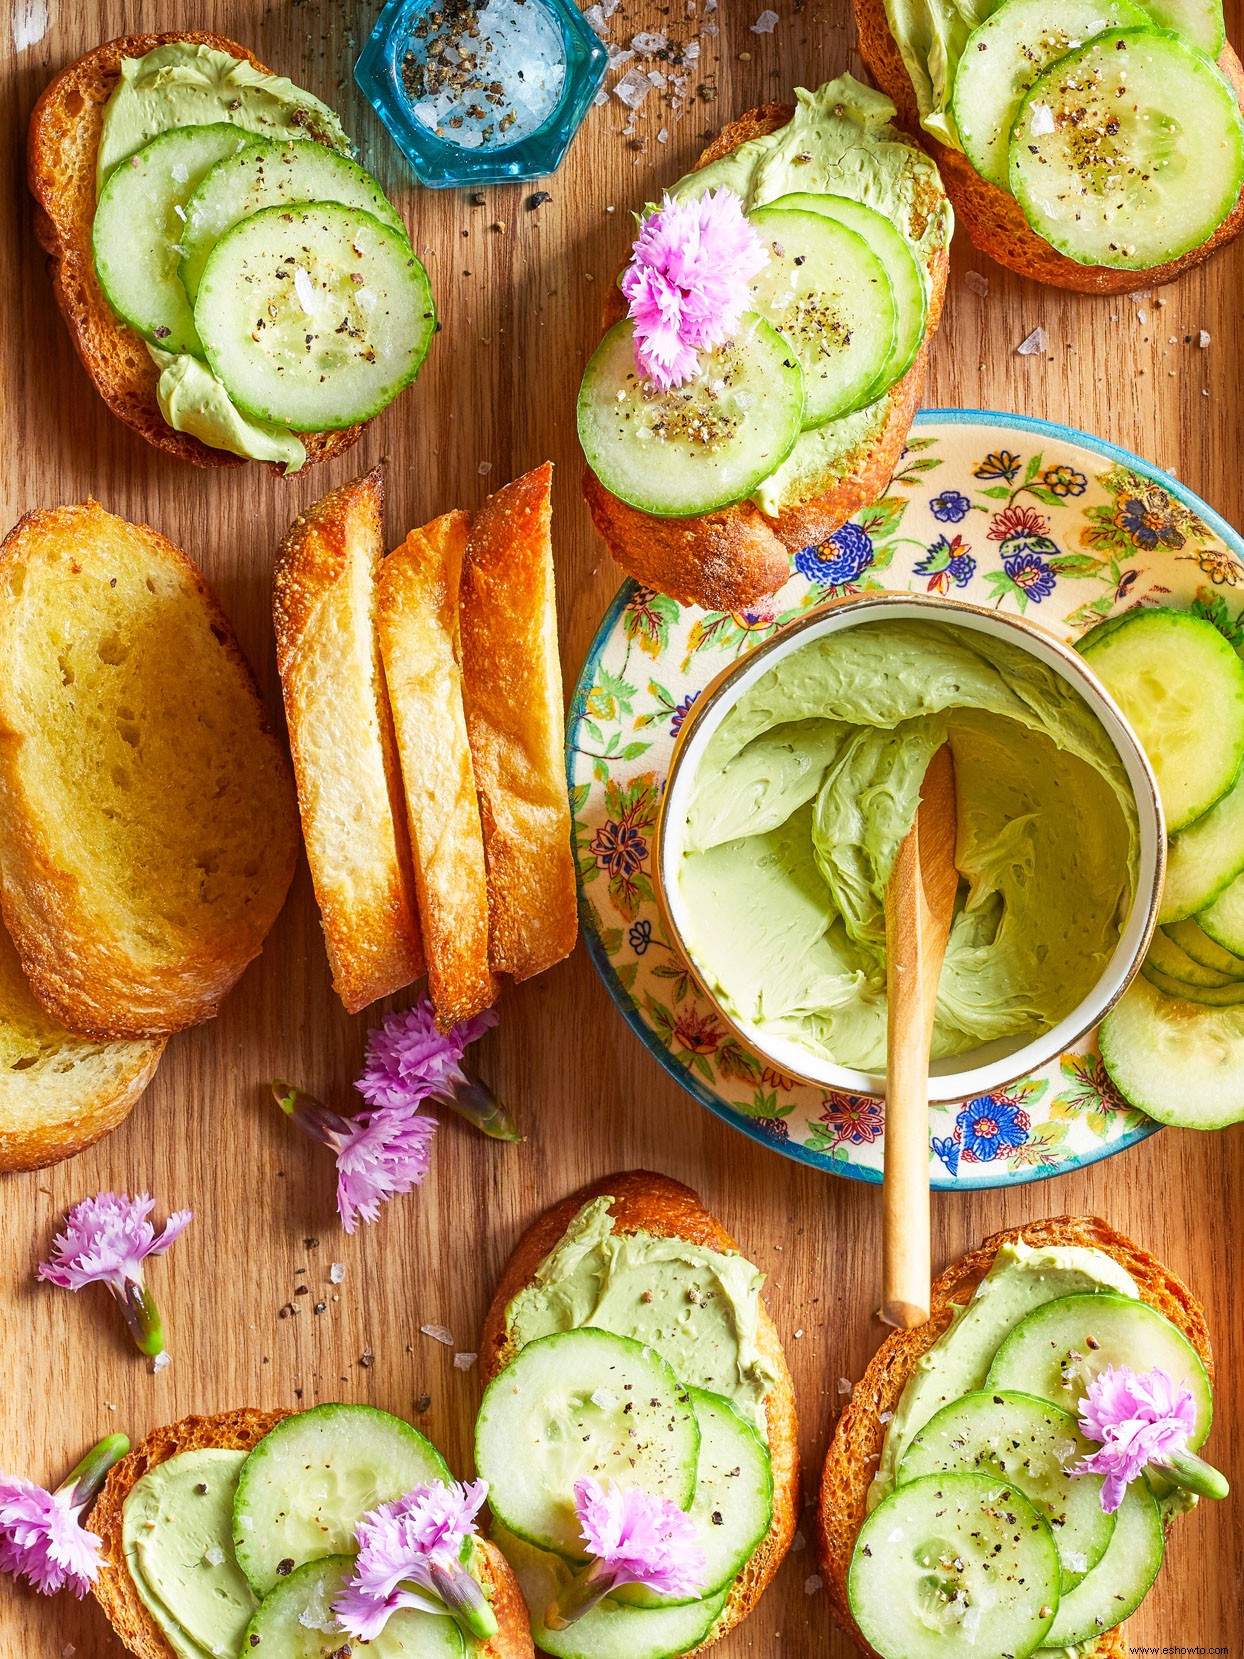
x=1195 y=1475
x=466 y=1602
x=140 y=1314
x=85 y=1479
x=310 y=1115
x=473 y=1100
x=580 y=1595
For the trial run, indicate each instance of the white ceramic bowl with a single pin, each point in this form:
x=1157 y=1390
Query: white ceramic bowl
x=993 y=1065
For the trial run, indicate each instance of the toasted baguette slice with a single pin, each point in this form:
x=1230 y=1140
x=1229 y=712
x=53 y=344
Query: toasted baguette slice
x=512 y=688
x=420 y=647
x=60 y=157
x=58 y=1093
x=992 y=217
x=148 y=827
x=341 y=737
x=730 y=559
x=860 y=1431
x=242 y=1431
x=647 y=1203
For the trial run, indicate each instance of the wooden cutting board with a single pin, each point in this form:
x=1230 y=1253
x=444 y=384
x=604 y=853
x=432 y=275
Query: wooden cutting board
x=519 y=292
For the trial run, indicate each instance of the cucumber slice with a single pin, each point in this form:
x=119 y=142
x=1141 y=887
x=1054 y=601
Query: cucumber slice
x=1121 y=1579
x=296 y=1621
x=1033 y=1443
x=702 y=445
x=265 y=174
x=954 y=1563
x=1169 y=959
x=610 y=1630
x=315 y=317
x=583 y=1402
x=1200 y=21
x=1057 y=1350
x=1203 y=860
x=1165 y=669
x=1129 y=151
x=733 y=1508
x=1181 y=1063
x=908 y=285
x=1224 y=919
x=138 y=226
x=1230 y=995
x=1003 y=56
x=825 y=291
x=1192 y=938
x=308 y=1482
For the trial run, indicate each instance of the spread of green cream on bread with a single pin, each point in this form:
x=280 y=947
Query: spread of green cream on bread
x=699 y=1308
x=806 y=790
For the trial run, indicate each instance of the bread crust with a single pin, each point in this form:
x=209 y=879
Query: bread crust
x=242 y=1431
x=859 y=1433
x=341 y=738
x=78 y=966
x=992 y=217
x=515 y=716
x=651 y=1203
x=61 y=149
x=729 y=559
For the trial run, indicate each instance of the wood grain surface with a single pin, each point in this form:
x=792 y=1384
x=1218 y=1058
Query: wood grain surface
x=519 y=294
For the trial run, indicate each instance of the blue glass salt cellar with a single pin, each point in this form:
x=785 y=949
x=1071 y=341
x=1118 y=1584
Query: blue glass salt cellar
x=481 y=91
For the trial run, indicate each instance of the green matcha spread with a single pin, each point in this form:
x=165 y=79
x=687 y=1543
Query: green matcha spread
x=184 y=85
x=806 y=790
x=841 y=141
x=698 y=1308
x=177 y=1536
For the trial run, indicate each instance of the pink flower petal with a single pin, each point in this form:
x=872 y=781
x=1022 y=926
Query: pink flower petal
x=398 y=1543
x=106 y=1239
x=642 y=1537
x=1140 y=1419
x=42 y=1540
x=408 y=1059
x=386 y=1151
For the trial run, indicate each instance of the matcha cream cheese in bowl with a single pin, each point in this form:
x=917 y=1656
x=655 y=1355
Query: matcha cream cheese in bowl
x=795 y=779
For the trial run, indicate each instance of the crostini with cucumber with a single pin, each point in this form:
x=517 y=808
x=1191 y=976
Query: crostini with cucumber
x=237 y=287
x=638 y=1431
x=765 y=347
x=1004 y=1478
x=1092 y=144
x=1174 y=1044
x=300 y=1536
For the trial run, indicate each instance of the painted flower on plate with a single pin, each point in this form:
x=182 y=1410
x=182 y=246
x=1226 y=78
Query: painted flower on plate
x=998 y=465
x=697 y=1032
x=1064 y=481
x=1030 y=574
x=1013 y=522
x=854 y=1118
x=639 y=936
x=990 y=1126
x=763 y=614
x=1150 y=518
x=681 y=711
x=947 y=563
x=618 y=847
x=838 y=561
x=950 y=507
x=1220 y=567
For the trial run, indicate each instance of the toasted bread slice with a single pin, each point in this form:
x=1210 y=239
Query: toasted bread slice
x=341 y=737
x=58 y=1093
x=729 y=559
x=992 y=217
x=512 y=689
x=61 y=150
x=860 y=1431
x=647 y=1203
x=420 y=648
x=148 y=827
x=242 y=1431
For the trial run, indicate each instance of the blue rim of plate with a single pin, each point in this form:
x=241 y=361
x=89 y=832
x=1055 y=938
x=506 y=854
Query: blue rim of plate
x=595 y=946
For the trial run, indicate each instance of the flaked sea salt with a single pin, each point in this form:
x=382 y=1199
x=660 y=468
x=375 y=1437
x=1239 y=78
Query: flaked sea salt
x=484 y=468
x=604 y=1399
x=305 y=289
x=214 y=1556
x=595 y=18
x=464 y=1362
x=337 y=1272
x=765 y=23
x=620 y=56
x=633 y=88
x=649 y=41
x=1041 y=121
x=1033 y=344
x=663 y=137
x=162 y=1362
x=811 y=1584
x=975 y=283
x=656 y=77
x=438 y=1333
x=844 y=1385
x=1203 y=338
x=798 y=1542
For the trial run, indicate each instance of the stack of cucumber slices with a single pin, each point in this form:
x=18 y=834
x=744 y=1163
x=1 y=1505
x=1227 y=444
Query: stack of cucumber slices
x=1174 y=1045
x=588 y=1403
x=988 y=1543
x=278 y=264
x=1108 y=121
x=838 y=315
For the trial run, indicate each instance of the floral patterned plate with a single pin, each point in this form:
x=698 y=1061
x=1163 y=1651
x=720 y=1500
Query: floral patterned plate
x=996 y=509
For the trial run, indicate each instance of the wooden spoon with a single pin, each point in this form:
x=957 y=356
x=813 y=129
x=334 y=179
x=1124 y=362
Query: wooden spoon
x=919 y=903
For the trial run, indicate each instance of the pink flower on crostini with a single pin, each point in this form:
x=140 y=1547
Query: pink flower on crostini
x=410 y=1555
x=687 y=282
x=1143 y=1420
x=409 y=1060
x=42 y=1538
x=105 y=1241
x=634 y=1537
